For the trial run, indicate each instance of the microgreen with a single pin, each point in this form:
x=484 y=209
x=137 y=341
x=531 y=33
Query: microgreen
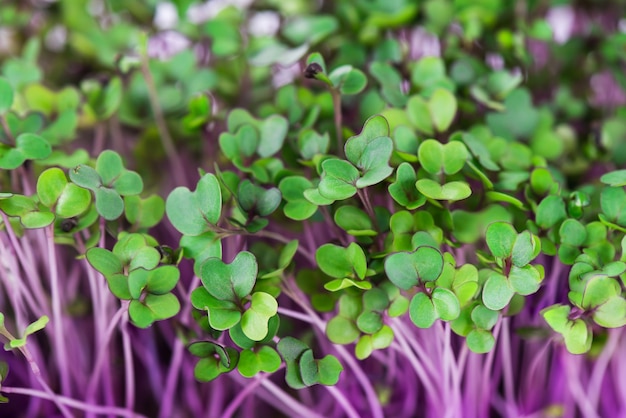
x=400 y=209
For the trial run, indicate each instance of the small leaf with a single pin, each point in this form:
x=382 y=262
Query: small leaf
x=422 y=311
x=550 y=211
x=454 y=190
x=446 y=304
x=192 y=212
x=501 y=238
x=442 y=106
x=497 y=292
x=6 y=95
x=480 y=341
x=338 y=180
x=232 y=281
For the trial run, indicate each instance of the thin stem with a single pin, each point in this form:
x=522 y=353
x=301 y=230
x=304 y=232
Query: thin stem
x=508 y=369
x=166 y=139
x=296 y=315
x=57 y=318
x=129 y=369
x=343 y=401
x=298 y=408
x=93 y=381
x=594 y=387
x=73 y=403
x=576 y=388
x=336 y=95
x=372 y=398
x=243 y=395
x=37 y=373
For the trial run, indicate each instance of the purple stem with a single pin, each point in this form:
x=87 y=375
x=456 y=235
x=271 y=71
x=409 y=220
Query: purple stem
x=57 y=317
x=73 y=403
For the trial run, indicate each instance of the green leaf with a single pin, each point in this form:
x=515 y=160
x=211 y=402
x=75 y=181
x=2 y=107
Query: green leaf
x=484 y=318
x=480 y=341
x=497 y=292
x=573 y=233
x=442 y=106
x=33 y=146
x=598 y=290
x=223 y=314
x=339 y=262
x=128 y=183
x=342 y=330
x=145 y=213
x=273 y=133
x=578 y=337
x=501 y=238
x=613 y=203
x=525 y=280
x=348 y=80
x=256 y=200
x=118 y=284
x=104 y=261
x=232 y=281
x=614 y=178
x=263 y=359
x=422 y=311
x=192 y=213
x=550 y=211
x=611 y=313
x=419 y=114
x=340 y=284
x=85 y=176
x=254 y=322
x=210 y=367
x=354 y=221
x=310 y=143
x=109 y=166
x=403 y=190
x=454 y=190
x=309 y=29
x=446 y=304
x=109 y=203
x=557 y=317
x=297 y=207
x=338 y=181
x=405 y=269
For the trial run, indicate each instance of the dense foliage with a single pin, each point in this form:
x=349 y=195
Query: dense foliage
x=335 y=208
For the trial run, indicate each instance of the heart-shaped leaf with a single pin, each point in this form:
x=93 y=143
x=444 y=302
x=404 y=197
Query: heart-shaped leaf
x=405 y=270
x=254 y=321
x=192 y=213
x=454 y=190
x=338 y=180
x=66 y=199
x=256 y=200
x=263 y=359
x=403 y=190
x=230 y=282
x=348 y=80
x=223 y=314
x=436 y=157
x=340 y=262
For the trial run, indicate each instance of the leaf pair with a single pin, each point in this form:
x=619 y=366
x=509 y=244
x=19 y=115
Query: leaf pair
x=347 y=265
x=514 y=252
x=224 y=287
x=303 y=370
x=368 y=162
x=109 y=181
x=132 y=273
